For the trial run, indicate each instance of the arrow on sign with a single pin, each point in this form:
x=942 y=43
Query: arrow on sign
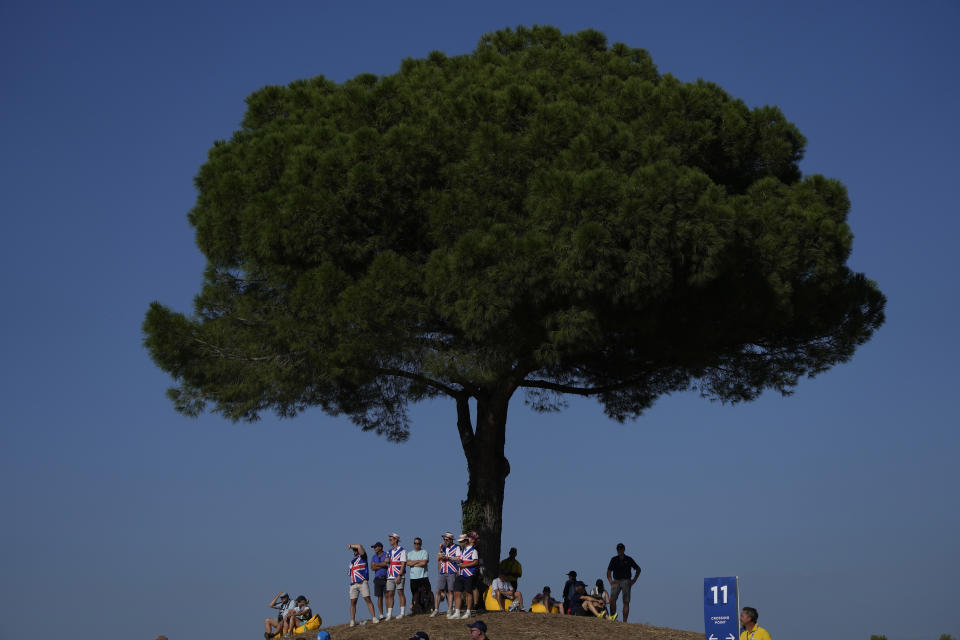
x=713 y=637
x=730 y=636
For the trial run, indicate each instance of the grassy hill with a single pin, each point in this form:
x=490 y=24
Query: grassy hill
x=509 y=626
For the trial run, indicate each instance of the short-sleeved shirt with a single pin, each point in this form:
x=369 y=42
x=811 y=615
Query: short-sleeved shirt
x=418 y=572
x=398 y=561
x=468 y=554
x=453 y=551
x=758 y=633
x=500 y=585
x=512 y=568
x=300 y=612
x=379 y=557
x=358 y=570
x=282 y=607
x=620 y=569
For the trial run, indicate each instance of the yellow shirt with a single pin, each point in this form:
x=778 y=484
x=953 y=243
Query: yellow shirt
x=511 y=568
x=758 y=633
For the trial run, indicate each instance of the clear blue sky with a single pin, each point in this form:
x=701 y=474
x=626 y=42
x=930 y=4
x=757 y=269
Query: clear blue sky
x=839 y=507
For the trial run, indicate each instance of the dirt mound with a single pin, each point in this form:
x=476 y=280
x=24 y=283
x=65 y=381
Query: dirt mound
x=509 y=626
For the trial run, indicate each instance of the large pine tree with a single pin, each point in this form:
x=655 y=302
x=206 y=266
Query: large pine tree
x=546 y=214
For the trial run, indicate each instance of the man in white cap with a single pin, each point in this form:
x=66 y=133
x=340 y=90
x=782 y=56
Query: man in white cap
x=395 y=575
x=447 y=572
x=464 y=583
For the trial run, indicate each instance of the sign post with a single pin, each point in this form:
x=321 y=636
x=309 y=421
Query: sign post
x=721 y=608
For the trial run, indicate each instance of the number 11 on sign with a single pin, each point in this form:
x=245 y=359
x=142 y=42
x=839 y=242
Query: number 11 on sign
x=721 y=608
x=716 y=597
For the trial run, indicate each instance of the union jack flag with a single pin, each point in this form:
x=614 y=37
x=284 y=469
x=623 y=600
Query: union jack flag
x=468 y=555
x=398 y=558
x=448 y=566
x=358 y=570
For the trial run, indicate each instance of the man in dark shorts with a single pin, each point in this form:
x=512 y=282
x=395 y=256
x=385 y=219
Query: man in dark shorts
x=582 y=604
x=467 y=574
x=618 y=575
x=568 y=589
x=379 y=564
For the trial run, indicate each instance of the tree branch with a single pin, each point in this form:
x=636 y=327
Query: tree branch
x=577 y=391
x=409 y=375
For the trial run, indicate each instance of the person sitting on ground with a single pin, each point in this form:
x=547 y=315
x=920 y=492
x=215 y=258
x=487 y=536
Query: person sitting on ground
x=281 y=602
x=298 y=614
x=582 y=604
x=501 y=588
x=600 y=592
x=546 y=600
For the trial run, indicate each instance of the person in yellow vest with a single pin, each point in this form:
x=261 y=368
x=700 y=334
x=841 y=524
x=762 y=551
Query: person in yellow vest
x=751 y=630
x=511 y=567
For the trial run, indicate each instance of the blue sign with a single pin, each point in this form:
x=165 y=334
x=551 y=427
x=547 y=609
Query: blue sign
x=721 y=608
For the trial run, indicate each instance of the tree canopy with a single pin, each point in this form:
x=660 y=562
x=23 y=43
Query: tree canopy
x=547 y=213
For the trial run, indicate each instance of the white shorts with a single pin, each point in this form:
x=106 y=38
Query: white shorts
x=359 y=589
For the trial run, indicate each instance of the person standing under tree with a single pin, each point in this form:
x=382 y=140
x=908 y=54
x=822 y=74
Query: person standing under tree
x=379 y=564
x=511 y=567
x=618 y=575
x=359 y=578
x=418 y=560
x=446 y=572
x=396 y=572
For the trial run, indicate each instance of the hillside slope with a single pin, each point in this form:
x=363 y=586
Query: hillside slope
x=512 y=626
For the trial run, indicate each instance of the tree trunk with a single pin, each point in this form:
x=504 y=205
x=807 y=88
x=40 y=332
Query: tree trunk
x=487 y=470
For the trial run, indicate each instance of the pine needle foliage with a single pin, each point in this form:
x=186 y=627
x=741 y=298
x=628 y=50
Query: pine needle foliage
x=548 y=213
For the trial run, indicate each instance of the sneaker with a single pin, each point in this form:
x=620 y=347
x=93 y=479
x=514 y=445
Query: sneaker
x=466 y=614
x=612 y=618
x=435 y=613
x=453 y=615
x=381 y=616
x=390 y=616
x=353 y=623
x=374 y=621
x=400 y=616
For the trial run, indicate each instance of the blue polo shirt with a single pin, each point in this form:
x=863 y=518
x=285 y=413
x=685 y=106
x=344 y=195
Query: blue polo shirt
x=380 y=557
